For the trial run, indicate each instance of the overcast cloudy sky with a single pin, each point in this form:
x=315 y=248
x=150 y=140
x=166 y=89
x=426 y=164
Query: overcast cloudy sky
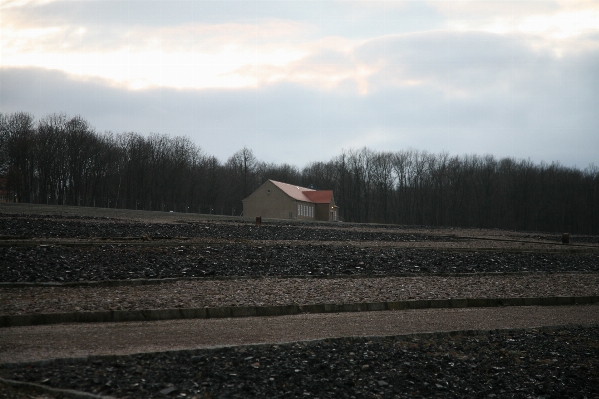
x=298 y=81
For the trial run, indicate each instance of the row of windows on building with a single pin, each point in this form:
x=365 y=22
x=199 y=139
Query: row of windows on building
x=305 y=210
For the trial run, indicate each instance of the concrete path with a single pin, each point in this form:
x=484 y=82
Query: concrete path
x=33 y=343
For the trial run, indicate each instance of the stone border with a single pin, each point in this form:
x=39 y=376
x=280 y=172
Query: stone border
x=112 y=316
x=68 y=393
x=156 y=281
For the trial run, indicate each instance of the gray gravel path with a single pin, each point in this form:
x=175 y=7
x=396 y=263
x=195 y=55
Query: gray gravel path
x=20 y=344
x=290 y=291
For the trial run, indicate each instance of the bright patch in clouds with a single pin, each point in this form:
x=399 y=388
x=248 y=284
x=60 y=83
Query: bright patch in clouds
x=548 y=21
x=562 y=25
x=248 y=55
x=188 y=57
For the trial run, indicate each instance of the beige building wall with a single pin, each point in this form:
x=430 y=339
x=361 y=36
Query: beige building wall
x=269 y=201
x=327 y=211
x=322 y=211
x=307 y=211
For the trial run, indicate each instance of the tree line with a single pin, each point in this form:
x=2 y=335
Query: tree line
x=63 y=160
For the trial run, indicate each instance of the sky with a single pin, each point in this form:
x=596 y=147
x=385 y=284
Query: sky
x=301 y=81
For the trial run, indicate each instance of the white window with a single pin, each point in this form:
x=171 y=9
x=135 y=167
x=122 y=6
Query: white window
x=299 y=210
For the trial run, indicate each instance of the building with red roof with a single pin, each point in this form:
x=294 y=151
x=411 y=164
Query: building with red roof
x=278 y=200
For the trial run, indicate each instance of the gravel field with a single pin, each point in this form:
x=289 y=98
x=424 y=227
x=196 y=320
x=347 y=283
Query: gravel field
x=57 y=226
x=112 y=262
x=357 y=263
x=10 y=392
x=533 y=363
x=27 y=226
x=289 y=291
x=128 y=216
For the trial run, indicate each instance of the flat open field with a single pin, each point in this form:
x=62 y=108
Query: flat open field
x=141 y=284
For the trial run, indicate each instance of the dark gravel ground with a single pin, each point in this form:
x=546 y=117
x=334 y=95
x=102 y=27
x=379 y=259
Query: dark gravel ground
x=11 y=392
x=57 y=226
x=544 y=363
x=35 y=226
x=578 y=239
x=120 y=262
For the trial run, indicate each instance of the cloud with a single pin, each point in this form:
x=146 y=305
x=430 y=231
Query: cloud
x=539 y=118
x=189 y=56
x=140 y=45
x=546 y=19
x=300 y=81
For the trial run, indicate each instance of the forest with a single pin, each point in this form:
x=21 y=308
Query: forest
x=62 y=160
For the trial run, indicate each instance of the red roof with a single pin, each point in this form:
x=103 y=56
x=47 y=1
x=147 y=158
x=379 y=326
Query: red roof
x=320 y=196
x=305 y=194
x=295 y=192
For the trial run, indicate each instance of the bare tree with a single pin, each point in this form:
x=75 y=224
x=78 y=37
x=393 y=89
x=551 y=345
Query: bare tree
x=241 y=168
x=63 y=160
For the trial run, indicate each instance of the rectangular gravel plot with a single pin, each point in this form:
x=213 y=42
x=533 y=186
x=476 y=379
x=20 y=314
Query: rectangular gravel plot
x=290 y=291
x=525 y=363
